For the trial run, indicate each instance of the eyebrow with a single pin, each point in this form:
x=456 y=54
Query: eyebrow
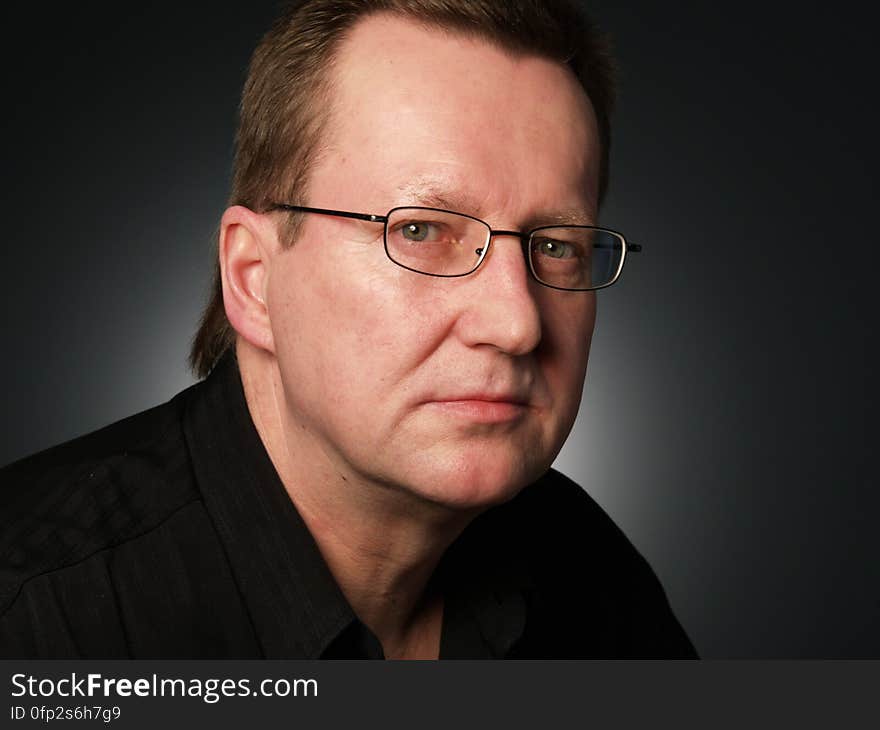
x=572 y=216
x=431 y=195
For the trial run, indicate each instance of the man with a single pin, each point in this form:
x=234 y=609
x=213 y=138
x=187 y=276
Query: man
x=396 y=347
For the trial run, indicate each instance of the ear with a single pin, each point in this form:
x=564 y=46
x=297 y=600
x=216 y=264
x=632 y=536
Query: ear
x=247 y=242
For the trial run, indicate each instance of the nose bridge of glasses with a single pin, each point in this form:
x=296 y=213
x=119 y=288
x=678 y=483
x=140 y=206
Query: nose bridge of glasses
x=523 y=237
x=515 y=234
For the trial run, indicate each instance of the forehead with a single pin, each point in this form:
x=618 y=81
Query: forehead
x=415 y=107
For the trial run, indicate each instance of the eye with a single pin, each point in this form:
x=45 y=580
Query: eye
x=418 y=231
x=554 y=249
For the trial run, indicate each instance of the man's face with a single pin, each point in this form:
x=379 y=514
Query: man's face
x=461 y=390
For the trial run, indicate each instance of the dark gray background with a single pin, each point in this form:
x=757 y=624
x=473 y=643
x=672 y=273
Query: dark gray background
x=726 y=422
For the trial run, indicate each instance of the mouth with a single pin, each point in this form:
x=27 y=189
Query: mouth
x=482 y=408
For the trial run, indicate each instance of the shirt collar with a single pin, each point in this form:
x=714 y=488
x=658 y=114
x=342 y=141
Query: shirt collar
x=296 y=606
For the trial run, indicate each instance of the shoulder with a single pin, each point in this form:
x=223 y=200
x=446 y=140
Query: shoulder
x=594 y=593
x=62 y=505
x=557 y=511
x=554 y=532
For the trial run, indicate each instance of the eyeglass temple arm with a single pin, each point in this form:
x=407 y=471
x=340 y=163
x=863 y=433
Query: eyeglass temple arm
x=337 y=213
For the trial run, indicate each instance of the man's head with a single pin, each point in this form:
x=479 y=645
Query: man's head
x=458 y=390
x=288 y=95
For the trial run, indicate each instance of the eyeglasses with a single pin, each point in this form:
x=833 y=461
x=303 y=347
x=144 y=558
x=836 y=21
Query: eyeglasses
x=438 y=242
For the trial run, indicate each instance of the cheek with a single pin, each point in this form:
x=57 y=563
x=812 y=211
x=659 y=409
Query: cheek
x=350 y=328
x=565 y=352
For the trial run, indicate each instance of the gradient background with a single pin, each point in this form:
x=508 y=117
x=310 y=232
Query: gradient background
x=725 y=424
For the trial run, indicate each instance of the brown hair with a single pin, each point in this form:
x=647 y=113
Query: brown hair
x=286 y=94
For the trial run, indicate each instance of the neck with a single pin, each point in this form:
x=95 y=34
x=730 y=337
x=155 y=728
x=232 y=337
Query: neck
x=381 y=543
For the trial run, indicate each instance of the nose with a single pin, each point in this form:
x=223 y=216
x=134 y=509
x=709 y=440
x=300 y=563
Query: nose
x=501 y=310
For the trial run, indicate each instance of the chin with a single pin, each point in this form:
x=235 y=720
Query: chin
x=476 y=482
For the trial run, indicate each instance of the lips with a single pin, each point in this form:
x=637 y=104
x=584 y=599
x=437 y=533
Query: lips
x=483 y=408
x=487 y=398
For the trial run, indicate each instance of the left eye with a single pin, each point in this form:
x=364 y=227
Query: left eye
x=554 y=249
x=418 y=231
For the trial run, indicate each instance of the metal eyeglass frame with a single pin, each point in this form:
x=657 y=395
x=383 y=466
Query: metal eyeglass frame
x=524 y=238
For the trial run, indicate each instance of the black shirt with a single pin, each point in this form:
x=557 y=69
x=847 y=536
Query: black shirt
x=170 y=535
